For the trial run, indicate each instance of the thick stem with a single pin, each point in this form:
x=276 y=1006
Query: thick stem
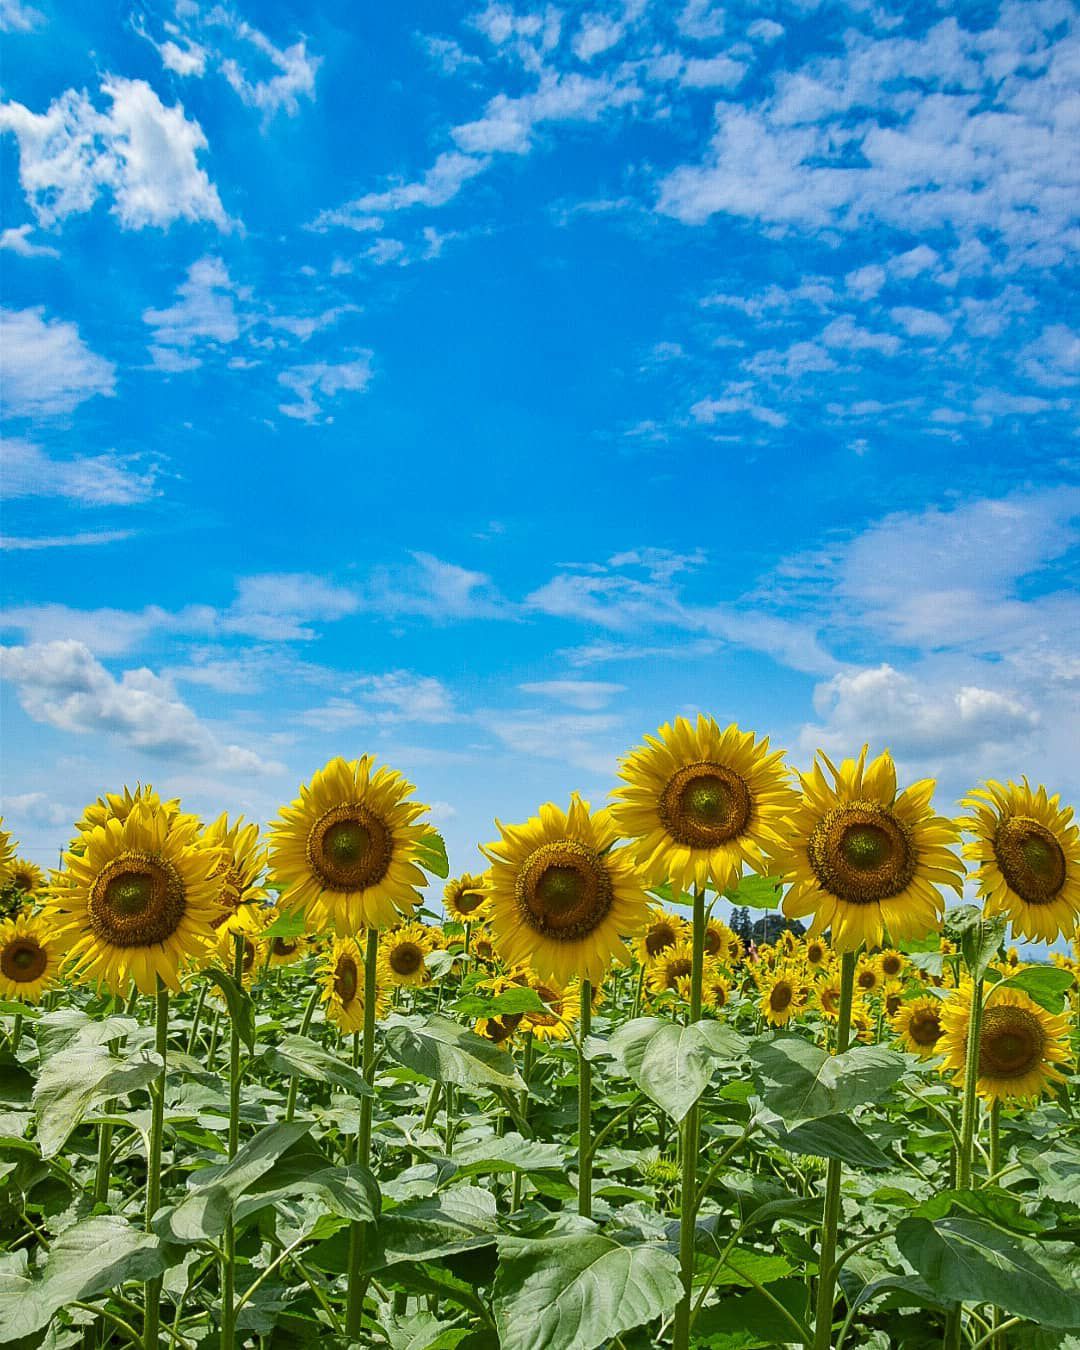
x=826 y=1288
x=357 y=1284
x=196 y=1017
x=228 y=1263
x=584 y=1106
x=690 y=1135
x=305 y=1027
x=16 y=1034
x=526 y=1073
x=997 y=1341
x=153 y=1161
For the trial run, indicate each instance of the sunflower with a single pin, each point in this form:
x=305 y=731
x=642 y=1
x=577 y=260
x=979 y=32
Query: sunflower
x=662 y=930
x=1012 y=959
x=863 y=1021
x=827 y=996
x=26 y=877
x=502 y=1027
x=562 y=895
x=918 y=1024
x=720 y=942
x=29 y=958
x=892 y=964
x=222 y=952
x=138 y=900
x=1028 y=853
x=779 y=996
x=817 y=954
x=403 y=954
x=716 y=989
x=464 y=898
x=7 y=855
x=483 y=949
x=119 y=805
x=670 y=971
x=862 y=857
x=1020 y=1044
x=702 y=803
x=286 y=951
x=868 y=976
x=342 y=977
x=241 y=895
x=564 y=1007
x=345 y=851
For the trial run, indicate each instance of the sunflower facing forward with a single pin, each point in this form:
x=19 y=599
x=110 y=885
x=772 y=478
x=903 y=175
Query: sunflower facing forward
x=918 y=1024
x=342 y=977
x=403 y=955
x=562 y=895
x=29 y=958
x=1028 y=853
x=27 y=878
x=701 y=802
x=1020 y=1044
x=862 y=857
x=345 y=851
x=464 y=898
x=137 y=900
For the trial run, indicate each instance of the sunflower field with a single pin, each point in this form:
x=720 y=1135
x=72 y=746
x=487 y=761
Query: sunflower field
x=710 y=1066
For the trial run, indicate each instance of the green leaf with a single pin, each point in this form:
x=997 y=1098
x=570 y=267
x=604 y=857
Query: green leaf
x=448 y=1053
x=91 y=1258
x=204 y=1211
x=745 y=1265
x=431 y=854
x=754 y=892
x=349 y=1192
x=967 y=1260
x=290 y=923
x=979 y=937
x=437 y=1226
x=673 y=1064
x=991 y=1202
x=238 y=1000
x=521 y=1000
x=300 y=1056
x=79 y=1077
x=1047 y=985
x=510 y=1153
x=745 y=1320
x=800 y=1081
x=576 y=1288
x=834 y=1137
x=8 y=1008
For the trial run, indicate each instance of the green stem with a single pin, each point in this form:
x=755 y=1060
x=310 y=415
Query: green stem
x=997 y=1341
x=526 y=1073
x=357 y=1284
x=153 y=1161
x=196 y=1017
x=228 y=1262
x=826 y=1288
x=305 y=1027
x=16 y=1034
x=584 y=1099
x=969 y=1116
x=690 y=1136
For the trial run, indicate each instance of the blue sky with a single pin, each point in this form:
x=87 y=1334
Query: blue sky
x=482 y=387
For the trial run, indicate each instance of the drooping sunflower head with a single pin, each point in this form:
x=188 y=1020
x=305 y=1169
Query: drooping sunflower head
x=345 y=852
x=563 y=896
x=918 y=1024
x=1020 y=1044
x=138 y=900
x=27 y=878
x=119 y=805
x=30 y=957
x=341 y=974
x=827 y=997
x=779 y=996
x=1028 y=855
x=662 y=930
x=669 y=973
x=721 y=943
x=286 y=951
x=465 y=898
x=701 y=802
x=863 y=858
x=403 y=955
x=7 y=854
x=239 y=873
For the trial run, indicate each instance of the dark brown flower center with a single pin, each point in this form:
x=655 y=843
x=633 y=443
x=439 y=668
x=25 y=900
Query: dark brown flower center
x=283 y=946
x=719 y=995
x=23 y=960
x=867 y=979
x=349 y=848
x=1031 y=859
x=137 y=900
x=892 y=965
x=678 y=970
x=346 y=980
x=1011 y=1042
x=659 y=937
x=714 y=942
x=860 y=852
x=704 y=805
x=468 y=896
x=780 y=996
x=406 y=958
x=564 y=890
x=815 y=954
x=924 y=1028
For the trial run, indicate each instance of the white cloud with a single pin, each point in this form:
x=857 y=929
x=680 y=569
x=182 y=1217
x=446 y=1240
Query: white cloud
x=508 y=123
x=736 y=402
x=204 y=312
x=713 y=72
x=145 y=153
x=586 y=695
x=325 y=379
x=439 y=184
x=48 y=369
x=190 y=59
x=922 y=322
x=598 y=33
x=21 y=544
x=17 y=240
x=107 y=479
x=281 y=605
x=295 y=78
x=1053 y=359
x=17 y=17
x=765 y=30
x=63 y=685
x=846 y=333
x=433 y=589
x=385 y=700
x=590 y=741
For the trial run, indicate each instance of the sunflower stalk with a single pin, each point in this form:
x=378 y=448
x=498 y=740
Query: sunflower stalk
x=526 y=1074
x=228 y=1258
x=305 y=1027
x=358 y=1232
x=827 y=1268
x=690 y=1143
x=153 y=1161
x=585 y=1158
x=968 y=1119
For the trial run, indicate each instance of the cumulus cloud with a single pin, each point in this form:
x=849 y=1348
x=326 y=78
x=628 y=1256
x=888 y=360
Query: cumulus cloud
x=295 y=78
x=48 y=369
x=17 y=240
x=399 y=696
x=108 y=479
x=204 y=312
x=142 y=152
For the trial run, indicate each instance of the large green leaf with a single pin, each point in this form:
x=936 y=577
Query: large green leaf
x=1045 y=984
x=89 y=1259
x=576 y=1288
x=238 y=1001
x=62 y=1027
x=204 y=1211
x=77 y=1078
x=349 y=1192
x=673 y=1064
x=979 y=937
x=447 y=1052
x=301 y=1056
x=834 y=1137
x=800 y=1081
x=750 y=1319
x=508 y=1153
x=429 y=1229
x=754 y=892
x=431 y=854
x=971 y=1261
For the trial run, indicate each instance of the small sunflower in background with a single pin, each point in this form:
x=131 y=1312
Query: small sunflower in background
x=137 y=900
x=863 y=1022
x=863 y=858
x=1028 y=855
x=715 y=989
x=670 y=971
x=7 y=854
x=502 y=1027
x=892 y=964
x=465 y=898
x=563 y=895
x=702 y=803
x=483 y=949
x=403 y=955
x=242 y=896
x=827 y=996
x=222 y=952
x=779 y=996
x=286 y=951
x=119 y=805
x=918 y=1024
x=1012 y=959
x=564 y=1007
x=26 y=878
x=662 y=930
x=1021 y=1045
x=341 y=974
x=345 y=851
x=816 y=954
x=30 y=958
x=868 y=977
x=721 y=943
